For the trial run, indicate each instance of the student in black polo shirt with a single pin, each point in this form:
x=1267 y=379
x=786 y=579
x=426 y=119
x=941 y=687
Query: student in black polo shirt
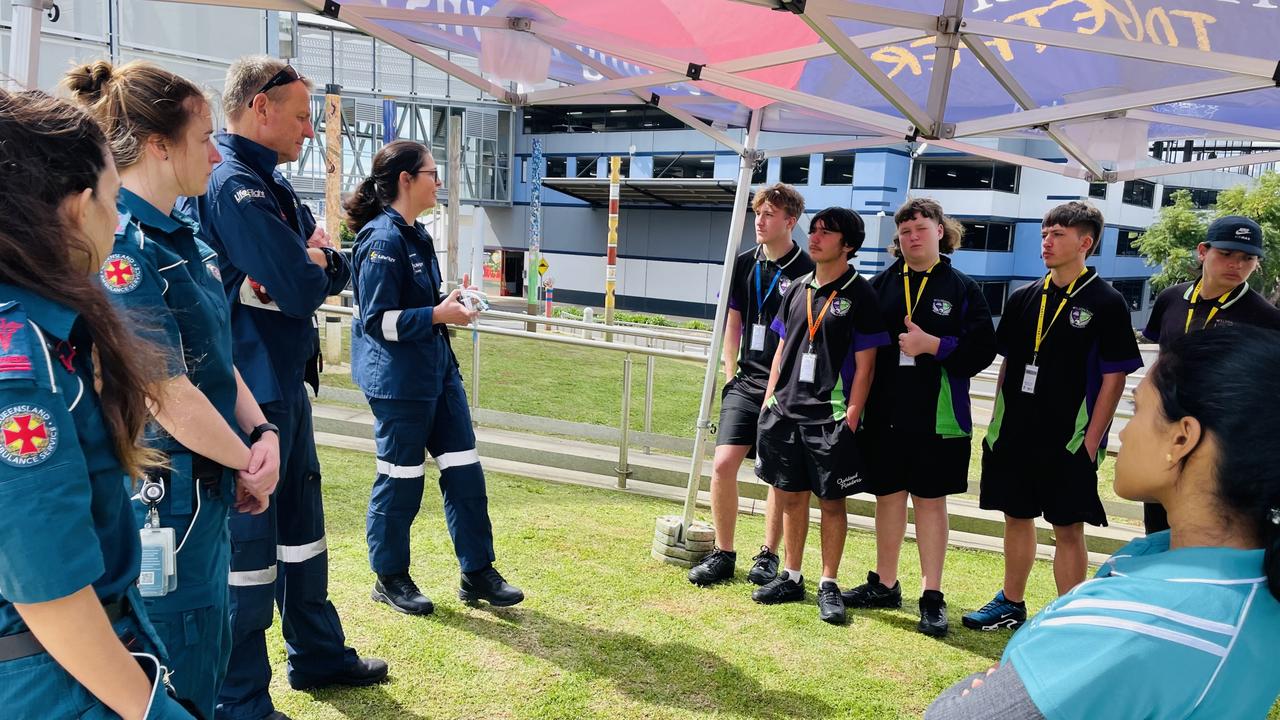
x=829 y=326
x=1231 y=251
x=761 y=276
x=1068 y=344
x=917 y=429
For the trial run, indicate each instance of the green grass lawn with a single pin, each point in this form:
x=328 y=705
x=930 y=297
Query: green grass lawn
x=607 y=632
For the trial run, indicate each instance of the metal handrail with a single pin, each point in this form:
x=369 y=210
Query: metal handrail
x=597 y=327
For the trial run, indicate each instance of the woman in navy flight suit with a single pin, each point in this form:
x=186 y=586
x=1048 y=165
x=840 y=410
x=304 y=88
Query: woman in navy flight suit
x=401 y=359
x=166 y=279
x=75 y=641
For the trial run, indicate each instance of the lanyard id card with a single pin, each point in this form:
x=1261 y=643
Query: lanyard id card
x=1029 y=374
x=808 y=366
x=905 y=360
x=757 y=338
x=158 y=574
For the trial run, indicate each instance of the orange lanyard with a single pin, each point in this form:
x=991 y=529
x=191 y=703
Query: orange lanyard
x=813 y=326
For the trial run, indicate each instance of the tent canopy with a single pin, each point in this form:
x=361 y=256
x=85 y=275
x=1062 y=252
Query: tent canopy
x=1101 y=78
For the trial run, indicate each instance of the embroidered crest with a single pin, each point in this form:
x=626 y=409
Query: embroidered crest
x=7 y=329
x=1080 y=317
x=15 y=359
x=249 y=194
x=784 y=284
x=214 y=272
x=28 y=435
x=942 y=307
x=120 y=273
x=841 y=307
x=380 y=257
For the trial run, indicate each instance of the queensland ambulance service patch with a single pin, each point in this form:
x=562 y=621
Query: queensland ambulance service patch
x=120 y=273
x=28 y=435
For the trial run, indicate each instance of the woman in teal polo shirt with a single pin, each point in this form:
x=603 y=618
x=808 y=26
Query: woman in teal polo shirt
x=166 y=280
x=74 y=637
x=1182 y=623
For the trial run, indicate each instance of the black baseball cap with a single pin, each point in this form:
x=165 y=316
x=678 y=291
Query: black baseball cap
x=1235 y=232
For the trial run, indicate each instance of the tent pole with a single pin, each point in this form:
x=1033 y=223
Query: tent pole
x=745 y=167
x=24 y=50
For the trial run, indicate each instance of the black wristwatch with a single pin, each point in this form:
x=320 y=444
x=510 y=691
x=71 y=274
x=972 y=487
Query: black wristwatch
x=261 y=430
x=331 y=263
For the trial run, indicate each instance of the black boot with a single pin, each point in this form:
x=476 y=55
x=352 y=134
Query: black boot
x=714 y=568
x=400 y=592
x=489 y=586
x=365 y=671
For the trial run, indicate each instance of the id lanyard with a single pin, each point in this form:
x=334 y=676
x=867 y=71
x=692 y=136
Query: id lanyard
x=906 y=287
x=1041 y=330
x=808 y=360
x=758 y=328
x=1195 y=297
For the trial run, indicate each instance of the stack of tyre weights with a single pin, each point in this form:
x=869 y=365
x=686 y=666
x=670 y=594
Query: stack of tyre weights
x=687 y=549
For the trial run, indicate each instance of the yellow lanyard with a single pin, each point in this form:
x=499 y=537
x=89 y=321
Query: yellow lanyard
x=1041 y=330
x=906 y=286
x=1195 y=297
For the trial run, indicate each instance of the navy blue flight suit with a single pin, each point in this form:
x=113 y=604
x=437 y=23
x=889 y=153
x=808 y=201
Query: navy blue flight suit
x=402 y=361
x=65 y=519
x=253 y=219
x=167 y=280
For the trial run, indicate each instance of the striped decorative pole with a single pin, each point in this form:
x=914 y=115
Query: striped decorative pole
x=611 y=260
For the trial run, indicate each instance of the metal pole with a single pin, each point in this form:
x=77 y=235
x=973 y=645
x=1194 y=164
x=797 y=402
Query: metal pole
x=24 y=48
x=333 y=203
x=611 y=257
x=455 y=200
x=648 y=397
x=745 y=167
x=475 y=367
x=623 y=469
x=533 y=275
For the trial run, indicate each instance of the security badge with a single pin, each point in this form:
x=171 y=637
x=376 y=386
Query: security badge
x=808 y=366
x=1029 y=374
x=757 y=337
x=159 y=570
x=120 y=273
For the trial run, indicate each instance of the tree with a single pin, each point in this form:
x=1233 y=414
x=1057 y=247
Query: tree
x=1171 y=241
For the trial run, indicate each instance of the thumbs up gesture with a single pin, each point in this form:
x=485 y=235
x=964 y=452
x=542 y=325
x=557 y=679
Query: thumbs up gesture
x=916 y=341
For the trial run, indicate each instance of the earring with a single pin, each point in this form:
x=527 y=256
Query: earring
x=1168 y=457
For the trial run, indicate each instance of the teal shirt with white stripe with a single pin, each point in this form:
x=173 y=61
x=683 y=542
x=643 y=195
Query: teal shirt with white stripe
x=1158 y=633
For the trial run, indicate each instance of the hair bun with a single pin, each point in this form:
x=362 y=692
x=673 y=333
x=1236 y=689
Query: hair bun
x=88 y=82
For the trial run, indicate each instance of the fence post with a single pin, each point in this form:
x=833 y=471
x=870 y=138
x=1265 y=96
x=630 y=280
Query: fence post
x=623 y=469
x=475 y=370
x=648 y=398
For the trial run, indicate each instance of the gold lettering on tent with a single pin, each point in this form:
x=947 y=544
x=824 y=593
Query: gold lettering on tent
x=1201 y=22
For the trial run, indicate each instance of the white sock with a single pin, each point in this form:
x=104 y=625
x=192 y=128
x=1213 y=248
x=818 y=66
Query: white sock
x=794 y=575
x=825 y=579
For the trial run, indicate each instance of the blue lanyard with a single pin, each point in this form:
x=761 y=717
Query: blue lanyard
x=761 y=298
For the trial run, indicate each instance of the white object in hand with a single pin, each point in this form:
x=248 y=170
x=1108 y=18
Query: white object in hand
x=473 y=299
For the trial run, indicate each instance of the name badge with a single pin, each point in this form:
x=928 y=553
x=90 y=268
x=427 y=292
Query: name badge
x=159 y=571
x=757 y=338
x=905 y=360
x=1029 y=375
x=808 y=366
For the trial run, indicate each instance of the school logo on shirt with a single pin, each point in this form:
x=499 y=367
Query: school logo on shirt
x=1080 y=317
x=784 y=284
x=380 y=257
x=28 y=434
x=841 y=307
x=249 y=194
x=942 y=307
x=120 y=273
x=213 y=270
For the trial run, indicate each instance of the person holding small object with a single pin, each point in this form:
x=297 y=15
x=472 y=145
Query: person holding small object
x=402 y=360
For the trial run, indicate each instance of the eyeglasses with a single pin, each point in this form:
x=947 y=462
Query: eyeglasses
x=434 y=173
x=286 y=75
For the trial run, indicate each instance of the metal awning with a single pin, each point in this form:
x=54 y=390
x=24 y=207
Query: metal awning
x=642 y=192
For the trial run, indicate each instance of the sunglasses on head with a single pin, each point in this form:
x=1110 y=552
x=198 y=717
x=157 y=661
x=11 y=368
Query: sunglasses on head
x=286 y=75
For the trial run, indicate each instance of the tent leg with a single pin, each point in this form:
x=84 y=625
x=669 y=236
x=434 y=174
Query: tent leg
x=24 y=52
x=745 y=168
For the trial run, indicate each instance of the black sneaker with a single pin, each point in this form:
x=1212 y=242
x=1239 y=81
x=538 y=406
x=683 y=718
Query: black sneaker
x=765 y=568
x=781 y=589
x=488 y=585
x=933 y=614
x=400 y=592
x=874 y=594
x=714 y=568
x=830 y=604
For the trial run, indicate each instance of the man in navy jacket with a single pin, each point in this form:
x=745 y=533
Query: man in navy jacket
x=277 y=268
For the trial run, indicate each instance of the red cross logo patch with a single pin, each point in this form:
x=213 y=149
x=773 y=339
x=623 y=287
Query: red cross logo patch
x=27 y=434
x=7 y=329
x=120 y=273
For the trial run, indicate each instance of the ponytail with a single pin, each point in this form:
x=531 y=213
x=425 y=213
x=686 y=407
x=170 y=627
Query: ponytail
x=382 y=187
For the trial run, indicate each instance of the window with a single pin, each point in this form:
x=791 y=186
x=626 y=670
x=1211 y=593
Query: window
x=837 y=168
x=1140 y=193
x=994 y=293
x=1098 y=190
x=795 y=170
x=989 y=236
x=549 y=119
x=1132 y=290
x=684 y=166
x=1125 y=243
x=760 y=174
x=586 y=165
x=1200 y=199
x=965 y=175
x=557 y=167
